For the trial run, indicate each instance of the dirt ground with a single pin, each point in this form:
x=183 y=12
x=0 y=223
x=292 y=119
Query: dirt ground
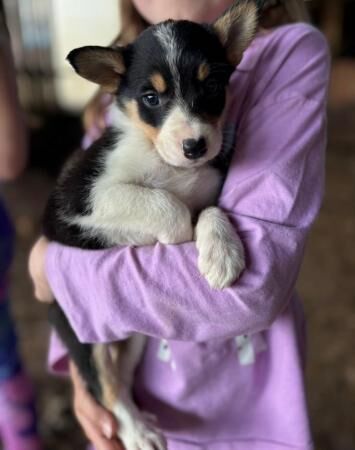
x=327 y=285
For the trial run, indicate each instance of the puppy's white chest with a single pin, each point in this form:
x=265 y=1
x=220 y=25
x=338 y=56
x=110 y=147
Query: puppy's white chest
x=197 y=188
x=136 y=162
x=125 y=202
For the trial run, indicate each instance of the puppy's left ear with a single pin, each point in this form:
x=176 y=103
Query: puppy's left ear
x=236 y=28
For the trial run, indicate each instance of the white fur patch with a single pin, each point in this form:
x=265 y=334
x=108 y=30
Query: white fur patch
x=180 y=125
x=165 y=34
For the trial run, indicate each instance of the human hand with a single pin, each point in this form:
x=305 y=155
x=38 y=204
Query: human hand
x=95 y=115
x=98 y=424
x=36 y=267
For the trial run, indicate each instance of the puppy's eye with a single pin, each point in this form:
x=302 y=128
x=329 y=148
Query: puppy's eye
x=151 y=100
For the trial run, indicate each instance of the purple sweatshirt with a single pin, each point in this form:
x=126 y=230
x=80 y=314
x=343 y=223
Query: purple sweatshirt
x=223 y=370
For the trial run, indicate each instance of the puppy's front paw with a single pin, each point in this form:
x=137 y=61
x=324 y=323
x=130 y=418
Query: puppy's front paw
x=220 y=261
x=221 y=254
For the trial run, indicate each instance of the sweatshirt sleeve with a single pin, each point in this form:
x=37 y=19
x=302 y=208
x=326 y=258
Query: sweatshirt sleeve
x=272 y=195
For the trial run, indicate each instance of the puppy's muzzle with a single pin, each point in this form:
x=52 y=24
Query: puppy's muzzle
x=194 y=149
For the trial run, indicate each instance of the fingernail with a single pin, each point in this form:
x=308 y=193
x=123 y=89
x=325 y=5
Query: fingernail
x=107 y=430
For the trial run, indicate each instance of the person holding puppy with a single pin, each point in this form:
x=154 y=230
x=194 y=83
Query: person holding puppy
x=223 y=370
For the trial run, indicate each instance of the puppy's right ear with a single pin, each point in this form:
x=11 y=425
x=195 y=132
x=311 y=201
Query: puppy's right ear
x=102 y=65
x=237 y=27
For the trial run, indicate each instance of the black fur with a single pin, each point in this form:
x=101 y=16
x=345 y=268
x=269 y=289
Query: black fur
x=197 y=44
x=70 y=195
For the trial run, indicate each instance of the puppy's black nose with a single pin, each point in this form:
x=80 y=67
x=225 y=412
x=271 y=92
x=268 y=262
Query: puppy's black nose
x=194 y=149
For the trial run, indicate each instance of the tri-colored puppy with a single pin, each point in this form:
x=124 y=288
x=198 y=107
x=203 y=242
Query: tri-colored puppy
x=151 y=177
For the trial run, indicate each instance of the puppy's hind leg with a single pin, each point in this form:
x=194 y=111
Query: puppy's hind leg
x=80 y=354
x=117 y=363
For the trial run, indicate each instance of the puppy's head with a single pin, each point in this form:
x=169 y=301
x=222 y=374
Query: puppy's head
x=171 y=82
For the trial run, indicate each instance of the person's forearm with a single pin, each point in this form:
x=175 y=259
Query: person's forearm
x=159 y=291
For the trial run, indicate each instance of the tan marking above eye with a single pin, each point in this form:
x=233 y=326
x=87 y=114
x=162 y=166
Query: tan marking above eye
x=203 y=71
x=158 y=82
x=132 y=112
